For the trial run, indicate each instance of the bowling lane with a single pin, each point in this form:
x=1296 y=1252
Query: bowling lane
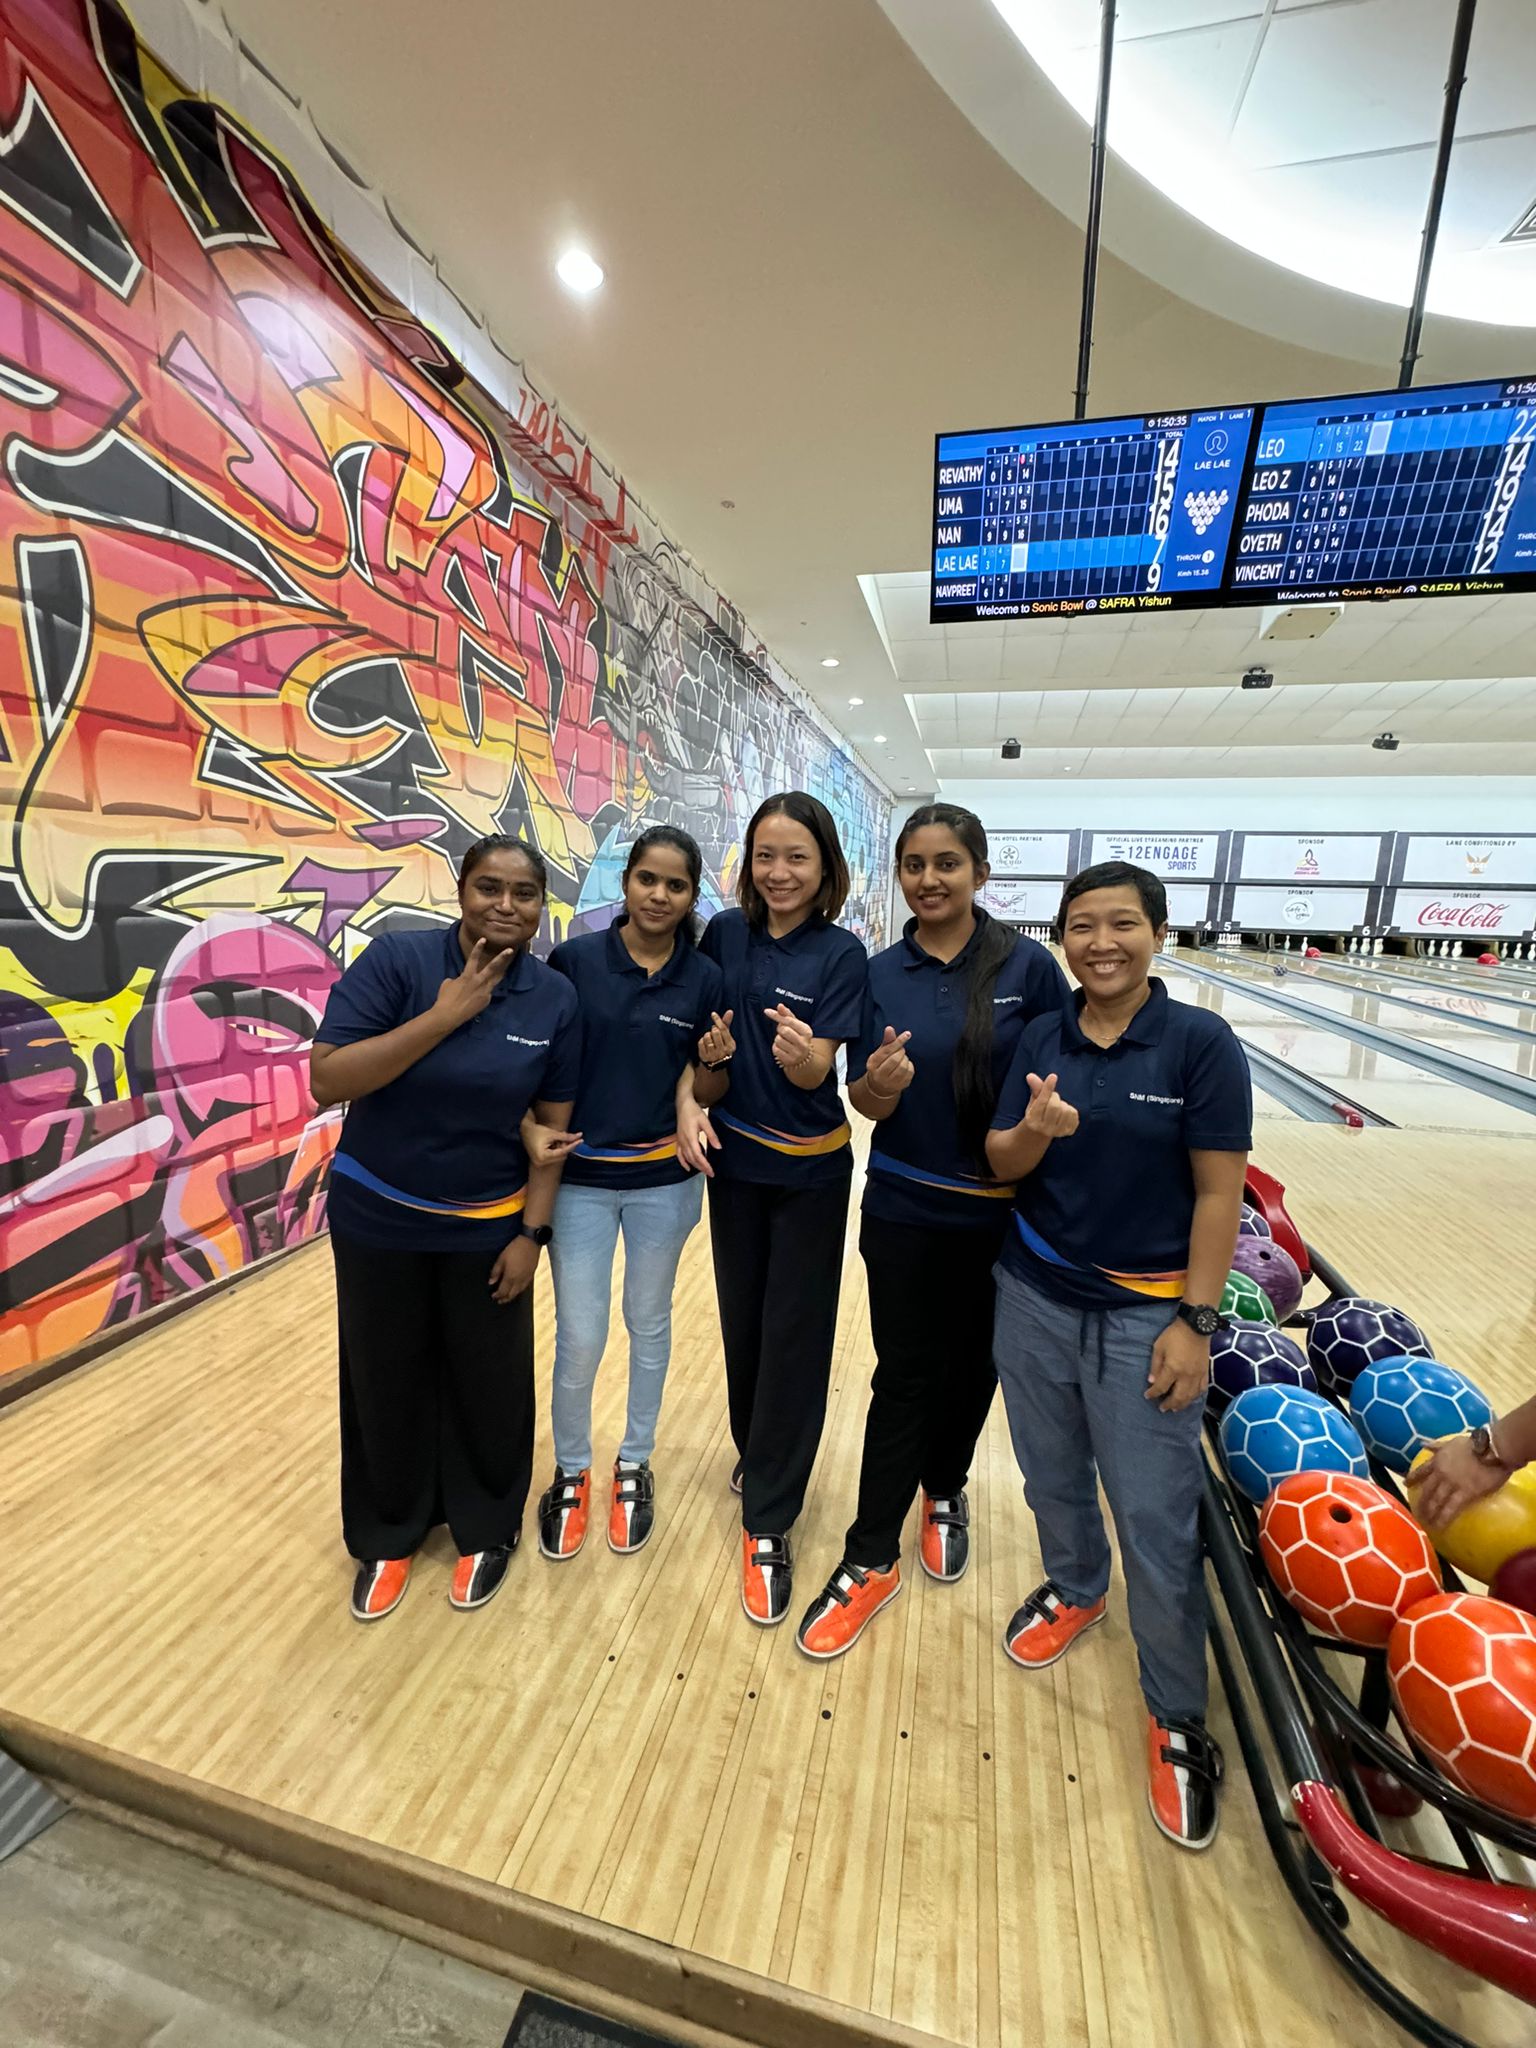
x=1392 y=1088
x=1458 y=1034
x=1384 y=977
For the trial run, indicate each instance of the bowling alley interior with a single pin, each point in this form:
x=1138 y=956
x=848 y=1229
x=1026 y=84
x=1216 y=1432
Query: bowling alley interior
x=621 y=621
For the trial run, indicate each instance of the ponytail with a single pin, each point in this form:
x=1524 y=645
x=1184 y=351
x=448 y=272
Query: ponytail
x=975 y=1087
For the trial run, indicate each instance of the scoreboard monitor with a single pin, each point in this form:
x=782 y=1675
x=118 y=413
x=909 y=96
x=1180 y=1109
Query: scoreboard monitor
x=1419 y=493
x=1097 y=515
x=1427 y=493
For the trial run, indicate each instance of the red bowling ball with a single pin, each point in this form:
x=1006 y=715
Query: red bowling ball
x=1313 y=953
x=1515 y=1581
x=1487 y=959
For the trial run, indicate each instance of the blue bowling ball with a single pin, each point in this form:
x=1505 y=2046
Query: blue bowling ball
x=1270 y=1432
x=1254 y=1355
x=1401 y=1405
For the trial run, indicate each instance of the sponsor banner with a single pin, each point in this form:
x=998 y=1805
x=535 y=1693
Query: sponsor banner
x=1175 y=856
x=1030 y=853
x=1315 y=857
x=1299 y=909
x=1021 y=902
x=1189 y=904
x=1463 y=913
x=1491 y=861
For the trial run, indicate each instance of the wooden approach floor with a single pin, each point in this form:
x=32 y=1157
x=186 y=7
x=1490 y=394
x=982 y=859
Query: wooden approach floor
x=920 y=1832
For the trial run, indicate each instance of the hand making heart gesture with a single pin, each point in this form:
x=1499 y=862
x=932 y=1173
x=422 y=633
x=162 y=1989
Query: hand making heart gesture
x=888 y=1070
x=1047 y=1114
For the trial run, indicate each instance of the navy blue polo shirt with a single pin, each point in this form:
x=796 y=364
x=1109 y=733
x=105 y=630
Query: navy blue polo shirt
x=769 y=1129
x=638 y=1032
x=433 y=1161
x=1105 y=1216
x=918 y=1173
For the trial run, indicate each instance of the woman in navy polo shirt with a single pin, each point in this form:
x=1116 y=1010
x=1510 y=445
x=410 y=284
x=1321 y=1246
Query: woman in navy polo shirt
x=944 y=1011
x=440 y=1042
x=647 y=997
x=1126 y=1121
x=778 y=1204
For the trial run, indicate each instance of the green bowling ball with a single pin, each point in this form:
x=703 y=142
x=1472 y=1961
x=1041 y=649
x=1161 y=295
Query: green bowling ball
x=1245 y=1301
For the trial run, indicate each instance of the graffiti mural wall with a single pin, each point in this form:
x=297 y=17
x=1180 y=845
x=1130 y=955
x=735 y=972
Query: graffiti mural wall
x=288 y=619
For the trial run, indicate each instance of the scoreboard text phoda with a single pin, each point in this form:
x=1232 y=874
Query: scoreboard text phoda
x=1424 y=493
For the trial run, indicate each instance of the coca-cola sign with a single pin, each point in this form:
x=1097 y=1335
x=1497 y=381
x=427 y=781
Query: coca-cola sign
x=1465 y=913
x=1467 y=917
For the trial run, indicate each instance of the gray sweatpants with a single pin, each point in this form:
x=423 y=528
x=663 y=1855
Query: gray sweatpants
x=1075 y=1381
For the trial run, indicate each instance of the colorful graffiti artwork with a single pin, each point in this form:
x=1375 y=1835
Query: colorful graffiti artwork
x=288 y=624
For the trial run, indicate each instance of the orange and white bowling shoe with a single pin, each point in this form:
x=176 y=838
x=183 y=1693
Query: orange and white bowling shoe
x=379 y=1586
x=767 y=1578
x=945 y=1547
x=563 y=1513
x=631 y=1508
x=478 y=1575
x=1184 y=1773
x=1047 y=1626
x=845 y=1607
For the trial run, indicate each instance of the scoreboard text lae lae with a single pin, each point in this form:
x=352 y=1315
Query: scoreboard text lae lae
x=1420 y=493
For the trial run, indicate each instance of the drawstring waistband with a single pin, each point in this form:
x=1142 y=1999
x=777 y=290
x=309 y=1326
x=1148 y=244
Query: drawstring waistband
x=1094 y=1316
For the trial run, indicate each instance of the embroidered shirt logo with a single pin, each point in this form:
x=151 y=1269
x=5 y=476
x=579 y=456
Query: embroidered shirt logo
x=682 y=1022
x=1166 y=1101
x=1007 y=999
x=794 y=995
x=514 y=1038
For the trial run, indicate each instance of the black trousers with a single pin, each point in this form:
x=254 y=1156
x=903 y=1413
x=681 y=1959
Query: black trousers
x=931 y=1302
x=437 y=1401
x=778 y=1270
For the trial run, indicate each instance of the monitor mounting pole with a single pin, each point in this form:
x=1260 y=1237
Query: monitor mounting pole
x=1455 y=79
x=1096 y=207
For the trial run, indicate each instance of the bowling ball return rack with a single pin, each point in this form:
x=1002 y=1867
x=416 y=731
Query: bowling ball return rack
x=1342 y=1771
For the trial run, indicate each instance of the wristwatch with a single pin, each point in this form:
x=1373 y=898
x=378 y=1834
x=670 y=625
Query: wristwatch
x=1484 y=1449
x=1204 y=1320
x=541 y=1233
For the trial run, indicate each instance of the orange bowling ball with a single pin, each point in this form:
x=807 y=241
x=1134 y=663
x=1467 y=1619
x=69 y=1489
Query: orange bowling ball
x=1481 y=1537
x=1463 y=1674
x=1346 y=1555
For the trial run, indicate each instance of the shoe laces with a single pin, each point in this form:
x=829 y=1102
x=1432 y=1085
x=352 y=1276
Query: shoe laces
x=1203 y=1756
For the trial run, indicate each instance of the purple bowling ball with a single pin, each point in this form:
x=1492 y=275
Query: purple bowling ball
x=1272 y=1266
x=1254 y=1355
x=1251 y=1224
x=1350 y=1332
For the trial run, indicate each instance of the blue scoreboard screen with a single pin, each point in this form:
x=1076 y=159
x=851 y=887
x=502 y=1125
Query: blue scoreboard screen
x=1095 y=515
x=1419 y=493
x=1426 y=493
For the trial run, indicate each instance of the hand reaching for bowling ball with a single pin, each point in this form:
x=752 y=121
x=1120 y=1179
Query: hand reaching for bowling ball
x=1048 y=1116
x=888 y=1070
x=1452 y=1478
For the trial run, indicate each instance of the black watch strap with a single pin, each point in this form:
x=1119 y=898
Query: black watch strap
x=1202 y=1317
x=541 y=1233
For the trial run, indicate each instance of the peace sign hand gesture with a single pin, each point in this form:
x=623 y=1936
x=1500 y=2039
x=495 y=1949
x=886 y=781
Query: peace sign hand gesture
x=888 y=1071
x=465 y=995
x=1047 y=1115
x=717 y=1044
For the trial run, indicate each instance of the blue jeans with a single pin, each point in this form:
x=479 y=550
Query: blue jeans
x=656 y=1223
x=1074 y=1382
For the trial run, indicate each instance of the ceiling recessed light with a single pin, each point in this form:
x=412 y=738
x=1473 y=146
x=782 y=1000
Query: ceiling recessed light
x=1066 y=771
x=879 y=739
x=829 y=661
x=854 y=703
x=579 y=271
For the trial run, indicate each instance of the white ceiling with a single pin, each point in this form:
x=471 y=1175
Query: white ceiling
x=1306 y=130
x=814 y=261
x=1453 y=678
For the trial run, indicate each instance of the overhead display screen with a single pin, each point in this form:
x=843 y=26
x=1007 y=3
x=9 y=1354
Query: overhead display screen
x=1422 y=493
x=1100 y=513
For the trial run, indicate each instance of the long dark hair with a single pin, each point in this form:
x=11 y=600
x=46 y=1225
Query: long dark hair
x=683 y=843
x=812 y=813
x=974 y=1084
x=503 y=842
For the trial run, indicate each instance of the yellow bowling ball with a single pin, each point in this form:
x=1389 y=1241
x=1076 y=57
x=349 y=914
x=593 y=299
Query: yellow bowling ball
x=1481 y=1537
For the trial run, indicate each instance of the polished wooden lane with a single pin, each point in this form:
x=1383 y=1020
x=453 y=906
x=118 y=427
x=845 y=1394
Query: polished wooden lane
x=919 y=1832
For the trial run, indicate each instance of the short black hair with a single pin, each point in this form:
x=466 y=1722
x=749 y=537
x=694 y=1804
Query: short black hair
x=1117 y=874
x=812 y=813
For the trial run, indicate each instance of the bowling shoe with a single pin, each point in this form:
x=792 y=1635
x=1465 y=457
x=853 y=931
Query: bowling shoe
x=845 y=1607
x=631 y=1508
x=945 y=1550
x=563 y=1514
x=478 y=1575
x=767 y=1578
x=1184 y=1773
x=379 y=1586
x=1047 y=1626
